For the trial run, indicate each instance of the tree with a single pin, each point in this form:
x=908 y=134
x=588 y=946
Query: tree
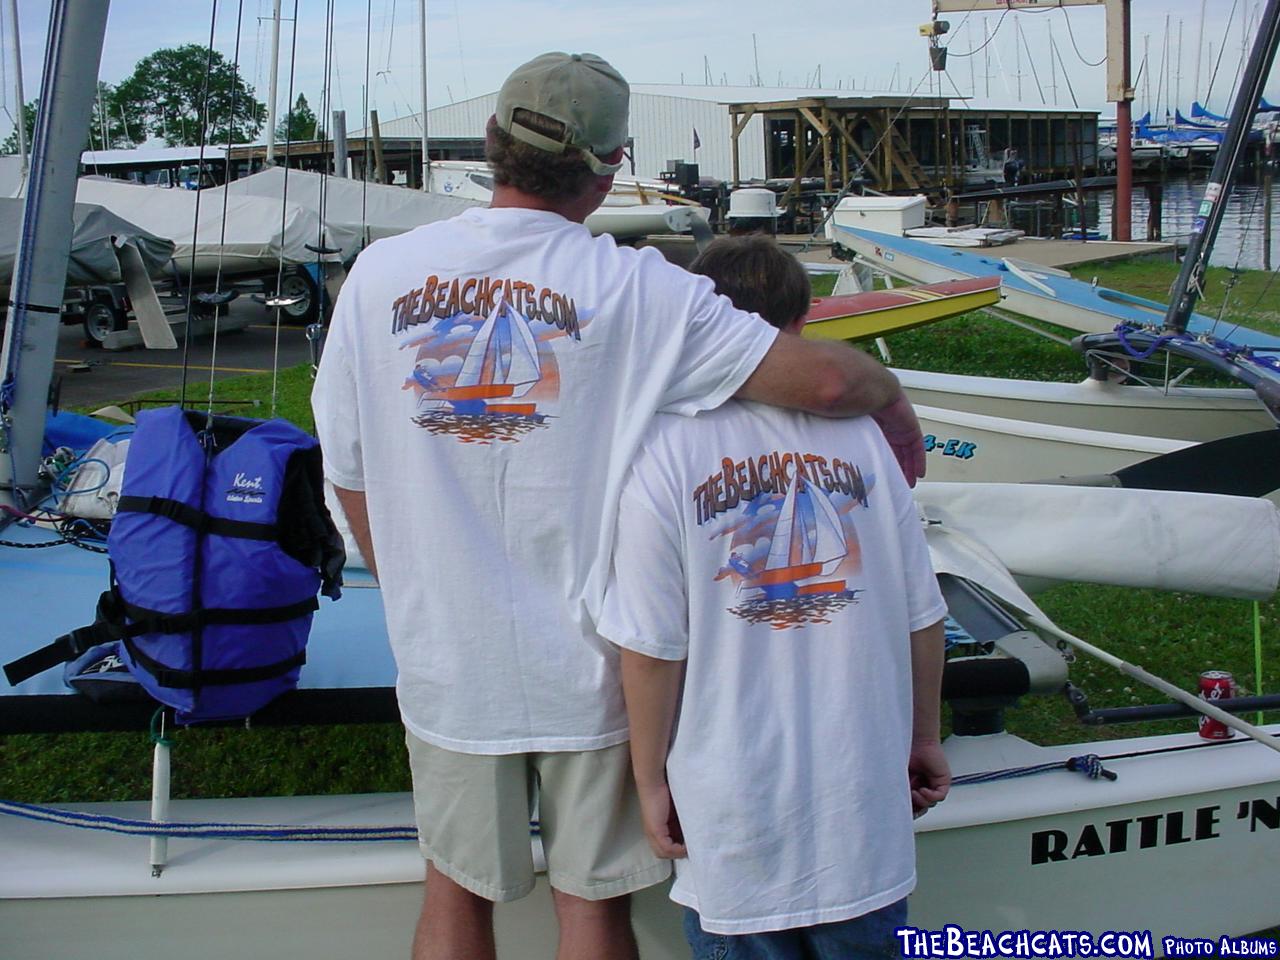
x=299 y=123
x=114 y=125
x=10 y=146
x=165 y=97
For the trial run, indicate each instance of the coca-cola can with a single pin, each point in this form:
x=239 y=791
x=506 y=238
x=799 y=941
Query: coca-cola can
x=1215 y=685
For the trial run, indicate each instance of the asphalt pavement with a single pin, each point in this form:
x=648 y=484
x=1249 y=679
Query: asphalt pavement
x=92 y=377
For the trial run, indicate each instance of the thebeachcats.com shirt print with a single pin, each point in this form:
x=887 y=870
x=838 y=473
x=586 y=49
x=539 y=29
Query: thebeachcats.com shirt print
x=792 y=549
x=483 y=365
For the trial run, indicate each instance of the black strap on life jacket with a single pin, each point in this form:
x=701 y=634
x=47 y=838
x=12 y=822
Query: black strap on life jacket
x=113 y=623
x=198 y=520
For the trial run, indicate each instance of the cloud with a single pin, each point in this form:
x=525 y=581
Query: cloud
x=446 y=366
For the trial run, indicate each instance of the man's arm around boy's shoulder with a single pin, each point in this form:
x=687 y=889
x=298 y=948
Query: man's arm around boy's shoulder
x=835 y=380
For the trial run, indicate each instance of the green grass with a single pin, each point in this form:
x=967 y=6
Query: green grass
x=1175 y=635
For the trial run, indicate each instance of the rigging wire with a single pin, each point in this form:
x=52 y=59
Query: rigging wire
x=364 y=125
x=284 y=200
x=226 y=196
x=462 y=63
x=1221 y=50
x=1234 y=280
x=986 y=42
x=1054 y=51
x=1035 y=74
x=195 y=226
x=1072 y=34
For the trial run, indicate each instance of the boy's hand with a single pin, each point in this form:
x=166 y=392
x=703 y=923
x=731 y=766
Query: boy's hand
x=930 y=776
x=901 y=428
x=661 y=824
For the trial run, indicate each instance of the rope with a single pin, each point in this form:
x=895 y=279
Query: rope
x=195 y=226
x=986 y=42
x=226 y=196
x=1071 y=33
x=1090 y=764
x=212 y=830
x=1222 y=49
x=284 y=199
x=364 y=125
x=1257 y=653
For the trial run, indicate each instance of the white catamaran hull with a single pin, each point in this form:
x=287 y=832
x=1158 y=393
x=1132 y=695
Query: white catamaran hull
x=1198 y=839
x=971 y=446
x=1182 y=413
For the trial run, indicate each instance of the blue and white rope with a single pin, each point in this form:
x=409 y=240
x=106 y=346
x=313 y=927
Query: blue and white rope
x=207 y=831
x=1090 y=764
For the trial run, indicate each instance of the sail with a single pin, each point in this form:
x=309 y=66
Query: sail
x=808 y=531
x=1200 y=113
x=504 y=351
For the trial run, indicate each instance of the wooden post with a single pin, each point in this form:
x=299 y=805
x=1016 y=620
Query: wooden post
x=888 y=150
x=379 y=167
x=826 y=150
x=1155 y=214
x=1268 y=178
x=844 y=155
x=733 y=141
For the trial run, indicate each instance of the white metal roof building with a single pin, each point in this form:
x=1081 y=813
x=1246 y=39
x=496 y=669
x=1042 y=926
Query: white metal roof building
x=665 y=116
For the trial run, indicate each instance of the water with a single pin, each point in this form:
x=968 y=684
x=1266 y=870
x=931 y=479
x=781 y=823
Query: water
x=1240 y=236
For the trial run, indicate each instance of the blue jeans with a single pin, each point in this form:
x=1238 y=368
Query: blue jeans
x=869 y=937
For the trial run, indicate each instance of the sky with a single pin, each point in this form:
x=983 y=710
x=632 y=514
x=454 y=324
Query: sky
x=474 y=44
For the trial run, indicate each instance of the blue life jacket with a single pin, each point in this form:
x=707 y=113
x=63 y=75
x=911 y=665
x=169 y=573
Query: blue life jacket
x=217 y=555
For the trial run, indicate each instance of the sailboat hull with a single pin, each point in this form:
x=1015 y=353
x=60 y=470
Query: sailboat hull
x=991 y=857
x=1182 y=413
x=1052 y=298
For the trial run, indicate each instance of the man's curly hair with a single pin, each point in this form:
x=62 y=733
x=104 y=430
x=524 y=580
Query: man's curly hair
x=530 y=170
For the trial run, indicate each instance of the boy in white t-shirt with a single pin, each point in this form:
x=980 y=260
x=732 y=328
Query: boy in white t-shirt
x=771 y=586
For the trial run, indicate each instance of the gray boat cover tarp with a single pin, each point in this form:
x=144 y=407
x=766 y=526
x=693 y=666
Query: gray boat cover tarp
x=251 y=236
x=355 y=212
x=94 y=240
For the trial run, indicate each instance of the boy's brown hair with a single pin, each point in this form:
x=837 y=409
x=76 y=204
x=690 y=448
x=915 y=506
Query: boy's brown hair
x=758 y=276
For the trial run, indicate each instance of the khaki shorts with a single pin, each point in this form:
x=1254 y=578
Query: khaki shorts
x=475 y=815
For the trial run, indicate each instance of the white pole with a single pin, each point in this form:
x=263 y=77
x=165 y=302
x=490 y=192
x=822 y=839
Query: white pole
x=1164 y=686
x=160 y=798
x=22 y=103
x=1200 y=49
x=422 y=54
x=271 y=83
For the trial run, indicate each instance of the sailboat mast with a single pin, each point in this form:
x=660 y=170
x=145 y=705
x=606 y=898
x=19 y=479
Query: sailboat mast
x=22 y=104
x=1200 y=49
x=422 y=59
x=1234 y=143
x=272 y=84
x=71 y=62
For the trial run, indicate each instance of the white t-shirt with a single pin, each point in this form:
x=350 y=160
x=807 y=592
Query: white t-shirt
x=486 y=382
x=782 y=554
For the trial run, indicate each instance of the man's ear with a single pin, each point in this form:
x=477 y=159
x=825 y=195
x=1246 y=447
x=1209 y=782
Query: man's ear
x=605 y=184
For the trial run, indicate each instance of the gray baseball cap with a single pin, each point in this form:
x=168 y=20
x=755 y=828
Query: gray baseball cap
x=562 y=100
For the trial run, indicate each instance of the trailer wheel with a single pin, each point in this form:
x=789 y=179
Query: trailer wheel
x=299 y=285
x=101 y=319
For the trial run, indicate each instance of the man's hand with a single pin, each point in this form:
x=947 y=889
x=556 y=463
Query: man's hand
x=661 y=823
x=930 y=776
x=906 y=440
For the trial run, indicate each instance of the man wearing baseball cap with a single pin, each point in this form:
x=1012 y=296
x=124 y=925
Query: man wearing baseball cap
x=485 y=384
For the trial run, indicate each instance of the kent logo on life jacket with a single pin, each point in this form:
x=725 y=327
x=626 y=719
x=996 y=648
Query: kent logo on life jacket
x=477 y=296
x=246 y=489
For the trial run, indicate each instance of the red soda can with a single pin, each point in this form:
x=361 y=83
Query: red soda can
x=1215 y=685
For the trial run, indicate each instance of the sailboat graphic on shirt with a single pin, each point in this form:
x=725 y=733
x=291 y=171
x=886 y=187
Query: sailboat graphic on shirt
x=808 y=543
x=501 y=366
